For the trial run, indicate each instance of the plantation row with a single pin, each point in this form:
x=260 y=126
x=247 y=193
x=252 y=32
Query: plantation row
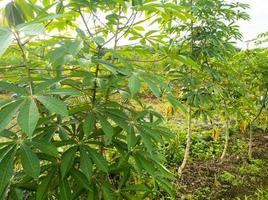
x=91 y=92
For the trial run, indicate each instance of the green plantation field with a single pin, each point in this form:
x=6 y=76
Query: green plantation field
x=131 y=100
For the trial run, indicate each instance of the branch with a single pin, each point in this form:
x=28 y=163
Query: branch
x=16 y=35
x=158 y=60
x=85 y=23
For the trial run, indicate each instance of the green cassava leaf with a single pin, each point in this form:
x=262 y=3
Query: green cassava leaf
x=187 y=61
x=57 y=56
x=13 y=14
x=98 y=159
x=5 y=39
x=16 y=193
x=106 y=127
x=67 y=161
x=47 y=84
x=25 y=9
x=80 y=178
x=8 y=134
x=85 y=163
x=6 y=168
x=28 y=117
x=10 y=87
x=134 y=84
x=43 y=188
x=147 y=141
x=98 y=40
x=65 y=190
x=53 y=105
x=31 y=29
x=176 y=104
x=89 y=123
x=49 y=17
x=152 y=87
x=108 y=193
x=65 y=92
x=45 y=147
x=112 y=67
x=7 y=113
x=30 y=162
x=131 y=138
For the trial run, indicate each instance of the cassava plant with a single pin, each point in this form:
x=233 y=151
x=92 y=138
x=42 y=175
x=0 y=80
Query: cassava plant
x=207 y=40
x=251 y=66
x=75 y=127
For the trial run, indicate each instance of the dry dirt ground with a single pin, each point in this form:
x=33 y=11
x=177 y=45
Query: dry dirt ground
x=202 y=177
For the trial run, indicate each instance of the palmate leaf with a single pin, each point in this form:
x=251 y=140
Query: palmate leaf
x=25 y=9
x=30 y=162
x=176 y=103
x=153 y=87
x=56 y=57
x=7 y=113
x=108 y=193
x=65 y=190
x=56 y=140
x=146 y=139
x=5 y=39
x=187 y=61
x=43 y=188
x=89 y=123
x=47 y=84
x=134 y=84
x=45 y=147
x=80 y=178
x=53 y=105
x=67 y=161
x=86 y=165
x=131 y=138
x=13 y=15
x=16 y=193
x=28 y=117
x=8 y=134
x=48 y=17
x=10 y=87
x=106 y=127
x=98 y=159
x=119 y=120
x=65 y=92
x=112 y=67
x=6 y=168
x=31 y=29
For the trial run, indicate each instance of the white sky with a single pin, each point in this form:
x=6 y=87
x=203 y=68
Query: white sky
x=259 y=20
x=250 y=29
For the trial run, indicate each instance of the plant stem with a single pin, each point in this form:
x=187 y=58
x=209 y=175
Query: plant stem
x=227 y=136
x=188 y=141
x=250 y=142
x=24 y=57
x=189 y=128
x=96 y=77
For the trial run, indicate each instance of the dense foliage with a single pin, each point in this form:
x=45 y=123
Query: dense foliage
x=75 y=76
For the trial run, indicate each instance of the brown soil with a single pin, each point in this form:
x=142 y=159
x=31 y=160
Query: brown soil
x=204 y=174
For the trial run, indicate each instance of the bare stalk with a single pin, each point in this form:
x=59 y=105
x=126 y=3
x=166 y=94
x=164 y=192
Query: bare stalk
x=24 y=57
x=227 y=136
x=189 y=128
x=250 y=142
x=188 y=141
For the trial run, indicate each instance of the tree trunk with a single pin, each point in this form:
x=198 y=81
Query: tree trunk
x=188 y=142
x=227 y=136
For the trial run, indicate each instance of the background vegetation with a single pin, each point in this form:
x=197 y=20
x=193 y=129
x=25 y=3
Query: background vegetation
x=131 y=99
